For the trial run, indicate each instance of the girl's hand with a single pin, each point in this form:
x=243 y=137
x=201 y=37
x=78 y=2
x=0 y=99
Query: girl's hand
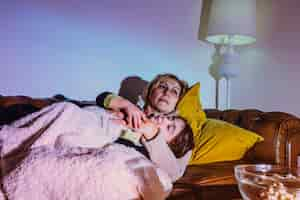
x=134 y=117
x=148 y=129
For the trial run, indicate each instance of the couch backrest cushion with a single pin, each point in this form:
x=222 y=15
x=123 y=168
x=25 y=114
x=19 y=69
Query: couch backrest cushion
x=274 y=127
x=15 y=107
x=11 y=113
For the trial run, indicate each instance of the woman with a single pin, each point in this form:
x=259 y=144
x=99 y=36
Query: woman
x=161 y=97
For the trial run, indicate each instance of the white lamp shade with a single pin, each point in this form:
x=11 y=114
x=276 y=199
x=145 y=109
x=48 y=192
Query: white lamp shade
x=230 y=21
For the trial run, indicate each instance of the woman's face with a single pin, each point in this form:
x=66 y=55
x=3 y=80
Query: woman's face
x=170 y=127
x=164 y=95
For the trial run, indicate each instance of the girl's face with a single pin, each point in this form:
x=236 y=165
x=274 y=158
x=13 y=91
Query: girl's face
x=164 y=95
x=170 y=127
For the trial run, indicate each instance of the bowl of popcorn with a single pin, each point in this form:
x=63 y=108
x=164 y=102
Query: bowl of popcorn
x=268 y=182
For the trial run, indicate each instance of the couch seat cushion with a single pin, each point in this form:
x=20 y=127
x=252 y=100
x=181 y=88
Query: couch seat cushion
x=219 y=173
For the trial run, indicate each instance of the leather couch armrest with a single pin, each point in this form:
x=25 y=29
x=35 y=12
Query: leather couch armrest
x=293 y=148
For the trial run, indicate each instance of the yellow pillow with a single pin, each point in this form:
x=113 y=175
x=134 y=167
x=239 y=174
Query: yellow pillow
x=190 y=108
x=222 y=141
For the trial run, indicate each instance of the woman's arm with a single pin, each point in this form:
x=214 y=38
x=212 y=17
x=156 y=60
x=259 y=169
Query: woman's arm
x=100 y=100
x=163 y=157
x=133 y=115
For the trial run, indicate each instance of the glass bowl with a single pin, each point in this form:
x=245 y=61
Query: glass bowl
x=268 y=182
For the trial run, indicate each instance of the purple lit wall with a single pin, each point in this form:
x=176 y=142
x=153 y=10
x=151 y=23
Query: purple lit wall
x=80 y=48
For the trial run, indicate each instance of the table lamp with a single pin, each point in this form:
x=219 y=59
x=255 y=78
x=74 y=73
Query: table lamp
x=226 y=24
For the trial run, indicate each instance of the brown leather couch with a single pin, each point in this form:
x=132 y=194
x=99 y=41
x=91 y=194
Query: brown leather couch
x=281 y=145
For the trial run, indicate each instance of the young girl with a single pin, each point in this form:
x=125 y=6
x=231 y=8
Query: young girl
x=165 y=140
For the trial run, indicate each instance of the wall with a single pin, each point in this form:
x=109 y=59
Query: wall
x=80 y=48
x=270 y=71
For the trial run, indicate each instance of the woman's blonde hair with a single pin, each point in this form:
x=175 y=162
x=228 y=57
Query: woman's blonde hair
x=147 y=91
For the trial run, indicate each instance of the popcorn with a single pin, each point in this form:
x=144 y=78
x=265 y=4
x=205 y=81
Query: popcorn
x=277 y=191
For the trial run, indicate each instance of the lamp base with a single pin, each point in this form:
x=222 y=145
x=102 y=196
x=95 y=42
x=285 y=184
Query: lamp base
x=228 y=93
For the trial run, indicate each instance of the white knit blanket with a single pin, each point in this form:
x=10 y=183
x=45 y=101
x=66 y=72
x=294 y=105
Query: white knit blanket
x=67 y=171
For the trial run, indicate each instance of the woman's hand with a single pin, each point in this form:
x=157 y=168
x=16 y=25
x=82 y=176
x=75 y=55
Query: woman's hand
x=148 y=129
x=134 y=117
